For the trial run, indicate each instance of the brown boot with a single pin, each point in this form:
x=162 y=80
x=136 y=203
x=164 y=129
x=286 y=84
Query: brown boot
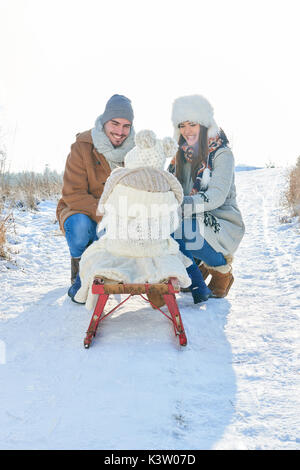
x=221 y=278
x=220 y=283
x=74 y=269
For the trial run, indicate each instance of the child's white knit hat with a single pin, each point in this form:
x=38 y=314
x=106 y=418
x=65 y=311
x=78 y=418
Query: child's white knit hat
x=150 y=151
x=193 y=108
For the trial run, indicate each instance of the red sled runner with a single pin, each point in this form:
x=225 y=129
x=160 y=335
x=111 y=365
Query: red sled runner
x=166 y=290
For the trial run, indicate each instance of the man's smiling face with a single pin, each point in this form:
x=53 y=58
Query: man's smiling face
x=117 y=130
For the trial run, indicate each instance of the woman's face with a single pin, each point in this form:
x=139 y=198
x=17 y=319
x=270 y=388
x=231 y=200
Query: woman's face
x=190 y=131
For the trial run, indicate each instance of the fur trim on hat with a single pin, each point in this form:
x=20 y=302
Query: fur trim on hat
x=194 y=108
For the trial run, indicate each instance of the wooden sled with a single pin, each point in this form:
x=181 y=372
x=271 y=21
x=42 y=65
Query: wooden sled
x=163 y=293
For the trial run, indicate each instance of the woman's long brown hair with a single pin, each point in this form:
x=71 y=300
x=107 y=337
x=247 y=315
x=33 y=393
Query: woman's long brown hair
x=196 y=163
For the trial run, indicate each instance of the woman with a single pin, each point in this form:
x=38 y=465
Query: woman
x=212 y=226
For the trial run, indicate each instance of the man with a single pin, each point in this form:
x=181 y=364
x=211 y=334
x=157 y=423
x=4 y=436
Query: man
x=92 y=158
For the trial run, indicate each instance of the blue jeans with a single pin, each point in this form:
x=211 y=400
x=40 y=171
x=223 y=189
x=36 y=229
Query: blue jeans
x=193 y=245
x=80 y=232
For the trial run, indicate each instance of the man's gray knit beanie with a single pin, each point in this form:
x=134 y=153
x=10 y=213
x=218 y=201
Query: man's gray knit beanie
x=118 y=106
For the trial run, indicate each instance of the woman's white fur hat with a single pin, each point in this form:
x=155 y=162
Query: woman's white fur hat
x=150 y=151
x=193 y=108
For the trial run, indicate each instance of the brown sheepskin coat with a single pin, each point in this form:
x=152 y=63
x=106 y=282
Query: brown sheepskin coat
x=85 y=175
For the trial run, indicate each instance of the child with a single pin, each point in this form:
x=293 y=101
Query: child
x=140 y=205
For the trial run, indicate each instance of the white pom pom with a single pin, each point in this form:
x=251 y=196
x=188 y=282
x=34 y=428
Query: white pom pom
x=145 y=139
x=169 y=146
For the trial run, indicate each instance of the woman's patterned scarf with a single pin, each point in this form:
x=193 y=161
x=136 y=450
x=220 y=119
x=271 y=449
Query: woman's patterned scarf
x=214 y=143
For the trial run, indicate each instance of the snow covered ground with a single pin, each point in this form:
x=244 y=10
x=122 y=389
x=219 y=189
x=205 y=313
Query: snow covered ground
x=235 y=385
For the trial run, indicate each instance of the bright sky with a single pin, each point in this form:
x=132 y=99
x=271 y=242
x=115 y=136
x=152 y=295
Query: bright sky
x=61 y=60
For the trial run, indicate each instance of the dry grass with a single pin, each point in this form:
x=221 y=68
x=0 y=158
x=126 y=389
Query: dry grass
x=6 y=224
x=292 y=195
x=28 y=188
x=31 y=187
x=3 y=218
x=2 y=238
x=23 y=190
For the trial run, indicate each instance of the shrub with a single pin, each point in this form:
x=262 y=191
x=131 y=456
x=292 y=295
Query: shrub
x=26 y=189
x=292 y=194
x=3 y=218
x=6 y=222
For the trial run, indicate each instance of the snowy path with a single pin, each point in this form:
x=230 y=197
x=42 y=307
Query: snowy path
x=235 y=386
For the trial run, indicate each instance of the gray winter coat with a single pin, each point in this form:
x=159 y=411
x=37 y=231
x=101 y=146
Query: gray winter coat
x=219 y=218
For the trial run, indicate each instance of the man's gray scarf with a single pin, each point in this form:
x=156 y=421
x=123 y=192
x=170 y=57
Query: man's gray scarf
x=114 y=155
